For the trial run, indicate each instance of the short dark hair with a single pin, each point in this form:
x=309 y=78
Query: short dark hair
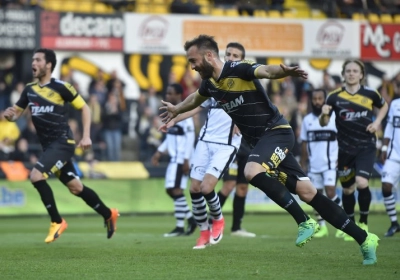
x=238 y=46
x=49 y=56
x=318 y=89
x=203 y=42
x=177 y=87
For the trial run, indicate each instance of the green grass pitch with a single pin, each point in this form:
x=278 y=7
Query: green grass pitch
x=139 y=251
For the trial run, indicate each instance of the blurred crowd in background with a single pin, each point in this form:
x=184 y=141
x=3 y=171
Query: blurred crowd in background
x=125 y=129
x=111 y=115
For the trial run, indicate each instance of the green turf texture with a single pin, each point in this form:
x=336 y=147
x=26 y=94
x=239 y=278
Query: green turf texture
x=139 y=251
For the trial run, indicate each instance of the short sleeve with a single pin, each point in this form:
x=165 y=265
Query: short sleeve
x=245 y=69
x=70 y=95
x=378 y=100
x=206 y=103
x=203 y=89
x=23 y=100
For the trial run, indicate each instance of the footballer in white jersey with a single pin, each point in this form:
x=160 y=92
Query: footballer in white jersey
x=320 y=153
x=179 y=145
x=390 y=153
x=217 y=145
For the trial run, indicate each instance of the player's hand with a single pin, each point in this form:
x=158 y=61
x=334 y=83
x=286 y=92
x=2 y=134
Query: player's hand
x=155 y=159
x=85 y=143
x=326 y=109
x=294 y=71
x=236 y=130
x=170 y=112
x=372 y=127
x=186 y=167
x=9 y=113
x=164 y=127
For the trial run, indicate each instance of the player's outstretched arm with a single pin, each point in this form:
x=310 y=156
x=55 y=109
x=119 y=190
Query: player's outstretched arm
x=279 y=71
x=164 y=127
x=13 y=113
x=171 y=111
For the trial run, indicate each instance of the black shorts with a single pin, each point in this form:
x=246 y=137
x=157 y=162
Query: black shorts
x=273 y=152
x=235 y=171
x=56 y=159
x=351 y=165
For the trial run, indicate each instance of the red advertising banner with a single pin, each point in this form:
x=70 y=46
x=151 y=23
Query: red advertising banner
x=380 y=41
x=70 y=31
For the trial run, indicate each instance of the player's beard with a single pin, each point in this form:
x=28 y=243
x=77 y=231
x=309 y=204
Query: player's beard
x=41 y=72
x=316 y=110
x=206 y=70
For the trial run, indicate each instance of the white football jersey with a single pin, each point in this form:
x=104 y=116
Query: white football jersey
x=322 y=145
x=218 y=126
x=179 y=141
x=392 y=131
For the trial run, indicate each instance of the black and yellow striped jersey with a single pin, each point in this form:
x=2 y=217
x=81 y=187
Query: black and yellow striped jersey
x=49 y=109
x=239 y=92
x=354 y=112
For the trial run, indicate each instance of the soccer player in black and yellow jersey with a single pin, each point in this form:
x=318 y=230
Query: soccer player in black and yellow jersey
x=48 y=99
x=353 y=105
x=271 y=166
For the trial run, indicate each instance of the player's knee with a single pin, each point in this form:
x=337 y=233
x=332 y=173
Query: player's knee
x=228 y=187
x=36 y=176
x=252 y=169
x=349 y=190
x=172 y=192
x=361 y=182
x=241 y=190
x=305 y=190
x=75 y=187
x=330 y=192
x=195 y=186
x=386 y=189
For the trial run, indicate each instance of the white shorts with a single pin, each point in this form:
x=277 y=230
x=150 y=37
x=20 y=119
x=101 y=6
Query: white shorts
x=320 y=180
x=211 y=158
x=174 y=176
x=391 y=172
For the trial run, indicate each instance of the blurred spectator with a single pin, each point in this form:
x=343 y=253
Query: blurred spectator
x=142 y=126
x=117 y=88
x=274 y=87
x=154 y=137
x=29 y=133
x=348 y=7
x=9 y=134
x=277 y=5
x=328 y=83
x=23 y=153
x=76 y=131
x=390 y=6
x=16 y=93
x=153 y=101
x=246 y=7
x=100 y=90
x=187 y=7
x=189 y=83
x=111 y=119
x=4 y=103
x=387 y=89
